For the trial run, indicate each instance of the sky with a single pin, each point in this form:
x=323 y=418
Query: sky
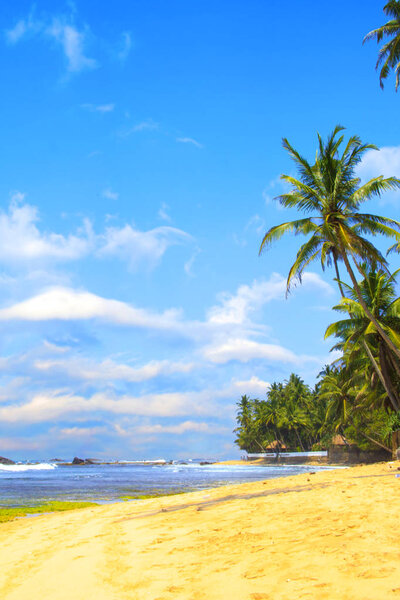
x=141 y=153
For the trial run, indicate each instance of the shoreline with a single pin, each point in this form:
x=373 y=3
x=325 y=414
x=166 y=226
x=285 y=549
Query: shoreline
x=329 y=534
x=265 y=462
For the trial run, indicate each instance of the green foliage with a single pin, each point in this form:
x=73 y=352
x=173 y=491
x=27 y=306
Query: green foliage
x=11 y=513
x=292 y=415
x=358 y=394
x=389 y=54
x=329 y=193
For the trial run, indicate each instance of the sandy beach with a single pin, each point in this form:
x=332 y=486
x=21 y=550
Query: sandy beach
x=330 y=534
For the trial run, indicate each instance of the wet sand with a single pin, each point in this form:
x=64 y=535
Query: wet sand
x=331 y=534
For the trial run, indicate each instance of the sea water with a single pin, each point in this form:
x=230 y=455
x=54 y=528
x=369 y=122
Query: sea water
x=25 y=484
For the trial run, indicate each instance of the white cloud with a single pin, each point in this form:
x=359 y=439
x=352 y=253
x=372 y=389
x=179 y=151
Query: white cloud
x=24 y=27
x=384 y=162
x=253 y=386
x=101 y=108
x=72 y=42
x=236 y=308
x=255 y=223
x=108 y=370
x=148 y=125
x=163 y=212
x=245 y=350
x=275 y=188
x=110 y=194
x=21 y=240
x=13 y=444
x=187 y=140
x=188 y=266
x=67 y=304
x=80 y=432
x=180 y=428
x=17 y=32
x=126 y=45
x=314 y=280
x=53 y=406
x=62 y=31
x=141 y=246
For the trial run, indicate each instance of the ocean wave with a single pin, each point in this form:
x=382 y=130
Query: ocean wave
x=21 y=468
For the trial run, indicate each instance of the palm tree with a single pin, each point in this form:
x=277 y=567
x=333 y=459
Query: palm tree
x=341 y=391
x=379 y=294
x=389 y=54
x=331 y=194
x=338 y=389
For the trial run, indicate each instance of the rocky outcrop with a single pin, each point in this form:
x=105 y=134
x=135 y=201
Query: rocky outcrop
x=6 y=461
x=82 y=461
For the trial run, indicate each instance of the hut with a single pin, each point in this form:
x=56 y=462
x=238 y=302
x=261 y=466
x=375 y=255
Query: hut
x=276 y=446
x=344 y=451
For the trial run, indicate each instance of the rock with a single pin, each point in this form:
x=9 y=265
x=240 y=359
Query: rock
x=205 y=462
x=83 y=461
x=398 y=453
x=6 y=461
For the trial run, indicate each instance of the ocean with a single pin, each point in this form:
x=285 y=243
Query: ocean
x=27 y=485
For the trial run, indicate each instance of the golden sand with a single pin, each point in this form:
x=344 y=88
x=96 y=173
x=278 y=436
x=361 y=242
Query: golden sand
x=325 y=535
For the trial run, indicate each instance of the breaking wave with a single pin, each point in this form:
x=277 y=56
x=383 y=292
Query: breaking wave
x=21 y=468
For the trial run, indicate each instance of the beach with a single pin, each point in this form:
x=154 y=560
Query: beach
x=330 y=534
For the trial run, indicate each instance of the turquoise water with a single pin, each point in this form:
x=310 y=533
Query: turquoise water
x=31 y=484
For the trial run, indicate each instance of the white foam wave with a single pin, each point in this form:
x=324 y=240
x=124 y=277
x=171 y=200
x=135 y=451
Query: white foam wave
x=21 y=468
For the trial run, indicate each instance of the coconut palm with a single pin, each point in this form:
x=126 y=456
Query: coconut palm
x=331 y=194
x=389 y=54
x=341 y=390
x=378 y=291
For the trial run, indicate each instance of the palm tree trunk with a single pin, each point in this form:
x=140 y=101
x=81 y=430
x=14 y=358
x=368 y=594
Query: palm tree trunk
x=338 y=277
x=394 y=363
x=368 y=313
x=385 y=372
x=368 y=437
x=298 y=437
x=383 y=376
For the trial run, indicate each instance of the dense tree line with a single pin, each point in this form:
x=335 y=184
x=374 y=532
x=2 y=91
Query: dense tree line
x=290 y=418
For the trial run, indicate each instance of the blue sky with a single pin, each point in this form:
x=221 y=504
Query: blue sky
x=141 y=152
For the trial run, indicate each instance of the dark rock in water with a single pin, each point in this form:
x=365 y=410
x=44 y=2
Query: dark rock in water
x=6 y=461
x=205 y=462
x=83 y=461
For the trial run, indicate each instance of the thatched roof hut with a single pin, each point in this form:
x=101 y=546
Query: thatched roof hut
x=339 y=440
x=275 y=446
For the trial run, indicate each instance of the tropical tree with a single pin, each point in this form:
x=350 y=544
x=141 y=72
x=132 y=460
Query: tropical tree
x=338 y=389
x=331 y=194
x=346 y=408
x=389 y=54
x=292 y=415
x=379 y=294
x=245 y=430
